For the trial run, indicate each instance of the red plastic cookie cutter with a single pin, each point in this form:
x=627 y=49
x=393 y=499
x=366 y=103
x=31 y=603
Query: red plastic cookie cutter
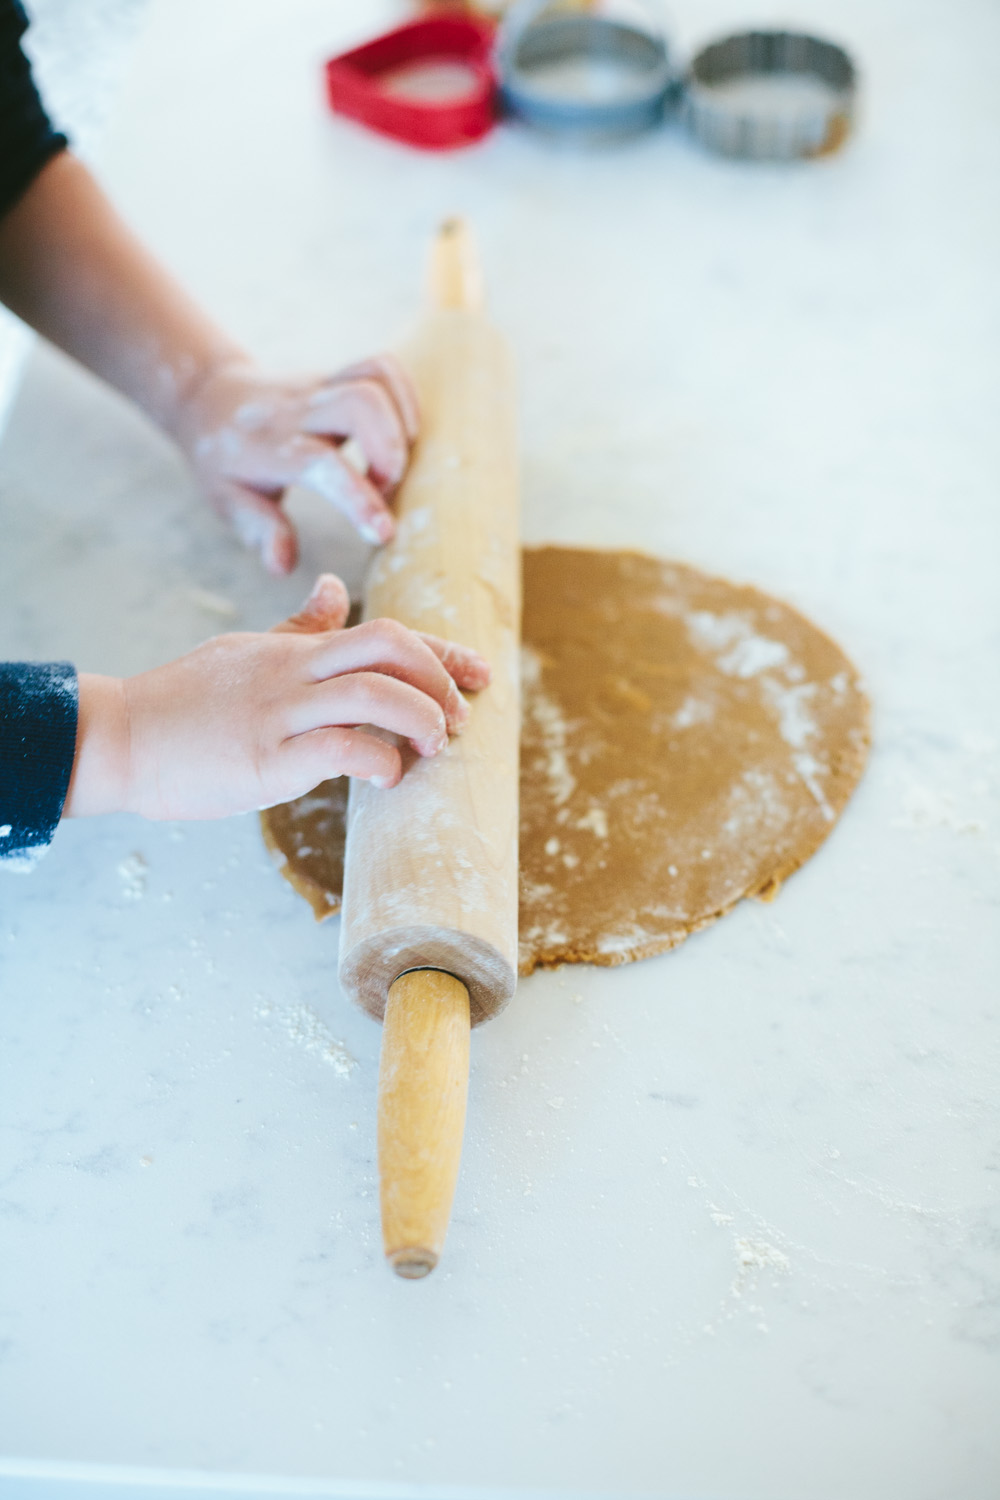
x=368 y=83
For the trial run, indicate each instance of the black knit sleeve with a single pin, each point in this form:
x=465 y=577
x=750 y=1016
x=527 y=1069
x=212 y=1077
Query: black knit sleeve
x=38 y=710
x=27 y=138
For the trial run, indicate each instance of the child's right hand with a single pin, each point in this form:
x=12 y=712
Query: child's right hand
x=245 y=721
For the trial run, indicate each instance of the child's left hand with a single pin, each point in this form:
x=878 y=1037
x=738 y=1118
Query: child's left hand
x=72 y=269
x=249 y=436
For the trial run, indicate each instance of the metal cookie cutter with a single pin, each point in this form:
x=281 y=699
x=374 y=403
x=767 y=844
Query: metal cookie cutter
x=576 y=72
x=772 y=95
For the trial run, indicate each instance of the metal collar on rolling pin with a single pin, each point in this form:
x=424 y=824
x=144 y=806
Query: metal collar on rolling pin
x=580 y=73
x=771 y=95
x=430 y=83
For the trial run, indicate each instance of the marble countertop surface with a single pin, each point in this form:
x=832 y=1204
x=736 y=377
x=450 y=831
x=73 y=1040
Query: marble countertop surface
x=728 y=1226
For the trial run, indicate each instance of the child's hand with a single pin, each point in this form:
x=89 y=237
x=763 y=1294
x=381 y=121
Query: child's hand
x=249 y=437
x=72 y=269
x=246 y=721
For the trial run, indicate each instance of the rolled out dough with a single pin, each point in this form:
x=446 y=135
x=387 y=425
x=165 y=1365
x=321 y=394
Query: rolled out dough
x=685 y=742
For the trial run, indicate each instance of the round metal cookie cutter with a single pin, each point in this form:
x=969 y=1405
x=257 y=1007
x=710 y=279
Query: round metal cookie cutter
x=577 y=73
x=771 y=95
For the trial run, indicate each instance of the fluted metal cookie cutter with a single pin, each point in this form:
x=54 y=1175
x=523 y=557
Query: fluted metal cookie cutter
x=581 y=74
x=771 y=95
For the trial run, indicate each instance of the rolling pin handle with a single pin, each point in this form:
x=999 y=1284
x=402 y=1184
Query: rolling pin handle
x=454 y=276
x=423 y=1086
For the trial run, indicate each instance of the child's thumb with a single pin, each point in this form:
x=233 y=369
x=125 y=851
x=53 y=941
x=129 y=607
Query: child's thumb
x=326 y=608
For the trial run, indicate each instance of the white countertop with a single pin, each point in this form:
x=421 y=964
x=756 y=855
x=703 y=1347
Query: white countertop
x=728 y=1225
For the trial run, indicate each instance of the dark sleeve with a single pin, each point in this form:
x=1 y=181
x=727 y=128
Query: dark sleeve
x=38 y=709
x=27 y=139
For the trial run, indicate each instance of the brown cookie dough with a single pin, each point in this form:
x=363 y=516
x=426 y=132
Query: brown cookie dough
x=306 y=840
x=685 y=742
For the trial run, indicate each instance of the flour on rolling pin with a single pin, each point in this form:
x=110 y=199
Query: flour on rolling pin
x=431 y=865
x=429 y=931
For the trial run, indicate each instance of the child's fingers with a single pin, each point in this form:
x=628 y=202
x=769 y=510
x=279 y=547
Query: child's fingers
x=365 y=411
x=372 y=698
x=315 y=756
x=388 y=647
x=317 y=466
x=468 y=669
x=259 y=522
x=387 y=369
x=326 y=608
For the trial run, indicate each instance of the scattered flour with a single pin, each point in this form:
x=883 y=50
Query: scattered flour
x=755 y=803
x=757 y=1255
x=810 y=770
x=789 y=703
x=715 y=632
x=134 y=872
x=305 y=1029
x=23 y=861
x=553 y=729
x=923 y=807
x=754 y=1256
x=596 y=820
x=693 y=711
x=746 y=654
x=753 y=655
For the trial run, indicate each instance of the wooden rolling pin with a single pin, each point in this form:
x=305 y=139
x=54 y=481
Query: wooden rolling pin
x=429 y=926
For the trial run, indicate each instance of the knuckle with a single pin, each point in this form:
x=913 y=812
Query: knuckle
x=366 y=691
x=391 y=633
x=369 y=683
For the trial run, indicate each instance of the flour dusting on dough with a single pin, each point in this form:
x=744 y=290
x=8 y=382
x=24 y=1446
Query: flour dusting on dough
x=552 y=730
x=790 y=704
x=707 y=734
x=596 y=820
x=752 y=655
x=685 y=742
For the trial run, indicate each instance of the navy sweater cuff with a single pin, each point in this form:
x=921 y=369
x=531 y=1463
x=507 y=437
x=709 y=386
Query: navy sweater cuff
x=38 y=713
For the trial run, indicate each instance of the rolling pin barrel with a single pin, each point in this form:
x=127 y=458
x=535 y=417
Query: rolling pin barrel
x=429 y=925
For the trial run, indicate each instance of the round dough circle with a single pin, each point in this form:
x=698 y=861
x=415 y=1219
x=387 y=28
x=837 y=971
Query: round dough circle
x=685 y=742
